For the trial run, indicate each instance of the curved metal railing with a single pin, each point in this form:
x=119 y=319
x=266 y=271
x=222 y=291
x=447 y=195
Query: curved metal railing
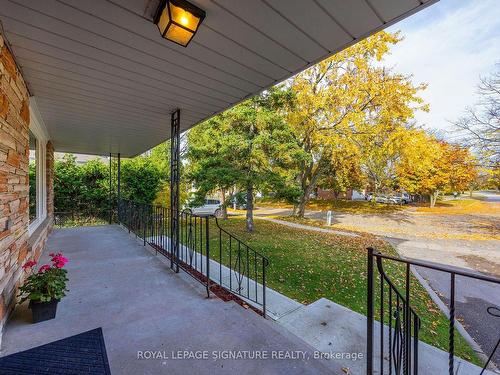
x=246 y=266
x=403 y=324
x=205 y=250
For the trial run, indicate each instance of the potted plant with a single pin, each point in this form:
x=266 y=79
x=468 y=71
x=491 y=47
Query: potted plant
x=44 y=288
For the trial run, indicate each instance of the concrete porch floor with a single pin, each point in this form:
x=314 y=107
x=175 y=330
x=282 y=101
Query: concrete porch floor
x=117 y=284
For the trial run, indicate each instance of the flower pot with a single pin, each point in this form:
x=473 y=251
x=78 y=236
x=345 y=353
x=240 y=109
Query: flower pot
x=43 y=310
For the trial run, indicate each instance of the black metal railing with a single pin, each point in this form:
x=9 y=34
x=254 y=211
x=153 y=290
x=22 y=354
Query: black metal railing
x=205 y=250
x=397 y=352
x=246 y=267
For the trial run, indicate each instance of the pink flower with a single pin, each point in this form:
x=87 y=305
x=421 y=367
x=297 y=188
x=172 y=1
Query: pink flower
x=44 y=268
x=29 y=264
x=58 y=260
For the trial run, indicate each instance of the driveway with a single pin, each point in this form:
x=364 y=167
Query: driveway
x=465 y=240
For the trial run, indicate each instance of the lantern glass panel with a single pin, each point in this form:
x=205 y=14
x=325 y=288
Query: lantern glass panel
x=184 y=18
x=178 y=34
x=163 y=21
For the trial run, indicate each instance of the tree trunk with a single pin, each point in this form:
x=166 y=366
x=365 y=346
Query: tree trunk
x=304 y=198
x=433 y=197
x=307 y=190
x=249 y=221
x=223 y=201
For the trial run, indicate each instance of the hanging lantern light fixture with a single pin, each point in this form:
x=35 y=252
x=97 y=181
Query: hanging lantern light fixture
x=178 y=20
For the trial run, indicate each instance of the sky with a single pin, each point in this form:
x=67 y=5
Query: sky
x=449 y=46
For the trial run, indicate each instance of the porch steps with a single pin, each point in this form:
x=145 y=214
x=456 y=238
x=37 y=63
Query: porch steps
x=332 y=328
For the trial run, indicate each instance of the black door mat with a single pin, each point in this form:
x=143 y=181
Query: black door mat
x=82 y=354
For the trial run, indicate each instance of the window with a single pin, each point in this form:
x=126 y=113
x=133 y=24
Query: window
x=33 y=178
x=37 y=169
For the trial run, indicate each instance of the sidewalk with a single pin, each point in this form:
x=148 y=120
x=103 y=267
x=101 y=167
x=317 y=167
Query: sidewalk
x=307 y=227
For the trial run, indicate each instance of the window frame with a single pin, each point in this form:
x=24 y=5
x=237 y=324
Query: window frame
x=38 y=130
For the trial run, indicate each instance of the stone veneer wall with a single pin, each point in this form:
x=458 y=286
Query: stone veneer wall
x=15 y=245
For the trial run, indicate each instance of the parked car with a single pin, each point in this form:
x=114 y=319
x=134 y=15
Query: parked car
x=211 y=206
x=385 y=199
x=357 y=195
x=369 y=196
x=239 y=201
x=402 y=198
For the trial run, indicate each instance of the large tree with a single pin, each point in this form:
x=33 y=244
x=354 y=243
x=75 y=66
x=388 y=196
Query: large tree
x=211 y=159
x=381 y=149
x=423 y=169
x=464 y=169
x=344 y=169
x=429 y=166
x=347 y=95
x=248 y=146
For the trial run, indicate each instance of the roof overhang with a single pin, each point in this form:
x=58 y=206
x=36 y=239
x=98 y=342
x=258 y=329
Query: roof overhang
x=106 y=81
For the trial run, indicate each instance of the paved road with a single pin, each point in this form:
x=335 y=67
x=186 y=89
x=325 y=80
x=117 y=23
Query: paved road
x=490 y=196
x=473 y=298
x=442 y=239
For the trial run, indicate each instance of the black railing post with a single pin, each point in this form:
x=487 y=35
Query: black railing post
x=207 y=252
x=174 y=187
x=451 y=348
x=144 y=221
x=416 y=327
x=407 y=361
x=129 y=218
x=118 y=188
x=381 y=323
x=369 y=313
x=264 y=265
x=110 y=192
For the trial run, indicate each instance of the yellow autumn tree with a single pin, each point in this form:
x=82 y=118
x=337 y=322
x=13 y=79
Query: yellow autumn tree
x=420 y=169
x=382 y=147
x=345 y=96
x=429 y=166
x=464 y=168
x=343 y=171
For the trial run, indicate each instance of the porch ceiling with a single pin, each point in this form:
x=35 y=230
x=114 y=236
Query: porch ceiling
x=105 y=81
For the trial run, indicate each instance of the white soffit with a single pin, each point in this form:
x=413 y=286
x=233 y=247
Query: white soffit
x=105 y=81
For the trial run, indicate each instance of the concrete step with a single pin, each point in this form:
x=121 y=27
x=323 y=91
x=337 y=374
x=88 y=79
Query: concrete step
x=341 y=333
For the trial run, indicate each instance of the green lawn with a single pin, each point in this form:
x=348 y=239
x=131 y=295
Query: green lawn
x=307 y=266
